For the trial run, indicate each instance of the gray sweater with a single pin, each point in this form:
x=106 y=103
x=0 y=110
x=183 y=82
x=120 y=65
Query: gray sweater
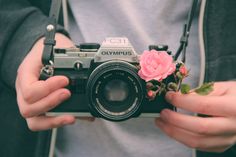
x=152 y=22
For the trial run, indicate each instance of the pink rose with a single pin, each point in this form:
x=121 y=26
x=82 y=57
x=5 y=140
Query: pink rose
x=156 y=65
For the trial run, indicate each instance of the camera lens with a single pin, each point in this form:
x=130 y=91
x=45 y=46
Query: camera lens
x=115 y=91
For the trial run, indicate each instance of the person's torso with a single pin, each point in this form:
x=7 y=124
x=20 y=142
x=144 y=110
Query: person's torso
x=152 y=22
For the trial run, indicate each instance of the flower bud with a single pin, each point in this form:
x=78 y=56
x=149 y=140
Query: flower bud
x=151 y=95
x=149 y=85
x=179 y=75
x=172 y=86
x=183 y=70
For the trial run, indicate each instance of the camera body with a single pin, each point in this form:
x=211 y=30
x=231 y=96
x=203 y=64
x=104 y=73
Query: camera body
x=104 y=81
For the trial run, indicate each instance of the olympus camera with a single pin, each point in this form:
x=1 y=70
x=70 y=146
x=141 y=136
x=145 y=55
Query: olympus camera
x=104 y=81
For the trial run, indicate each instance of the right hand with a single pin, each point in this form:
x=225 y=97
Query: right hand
x=34 y=96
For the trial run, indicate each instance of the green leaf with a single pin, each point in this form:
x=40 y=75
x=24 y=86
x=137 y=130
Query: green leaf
x=185 y=88
x=205 y=89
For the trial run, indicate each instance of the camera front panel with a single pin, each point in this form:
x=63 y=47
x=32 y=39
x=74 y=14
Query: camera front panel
x=107 y=85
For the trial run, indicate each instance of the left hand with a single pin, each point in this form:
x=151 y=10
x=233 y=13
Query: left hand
x=215 y=133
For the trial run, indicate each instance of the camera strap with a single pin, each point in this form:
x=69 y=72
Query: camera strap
x=51 y=28
x=49 y=42
x=186 y=31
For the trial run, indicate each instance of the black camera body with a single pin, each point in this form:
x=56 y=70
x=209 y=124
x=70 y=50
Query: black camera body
x=104 y=81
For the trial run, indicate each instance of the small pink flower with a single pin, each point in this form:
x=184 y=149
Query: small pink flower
x=156 y=65
x=151 y=95
x=183 y=70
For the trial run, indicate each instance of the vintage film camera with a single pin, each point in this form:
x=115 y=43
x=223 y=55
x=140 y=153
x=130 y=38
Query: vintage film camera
x=104 y=81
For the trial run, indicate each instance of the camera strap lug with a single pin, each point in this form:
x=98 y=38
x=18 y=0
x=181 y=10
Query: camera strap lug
x=186 y=30
x=47 y=71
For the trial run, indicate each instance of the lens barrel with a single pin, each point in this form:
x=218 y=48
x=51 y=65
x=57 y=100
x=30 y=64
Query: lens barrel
x=115 y=91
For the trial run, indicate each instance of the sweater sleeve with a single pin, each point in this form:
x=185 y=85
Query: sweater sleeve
x=21 y=25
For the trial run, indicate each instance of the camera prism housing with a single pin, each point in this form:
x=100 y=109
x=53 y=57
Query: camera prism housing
x=104 y=81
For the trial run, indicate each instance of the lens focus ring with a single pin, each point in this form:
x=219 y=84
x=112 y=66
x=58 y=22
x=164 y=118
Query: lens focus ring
x=115 y=91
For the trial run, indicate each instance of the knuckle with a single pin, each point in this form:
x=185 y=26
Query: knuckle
x=25 y=112
x=27 y=96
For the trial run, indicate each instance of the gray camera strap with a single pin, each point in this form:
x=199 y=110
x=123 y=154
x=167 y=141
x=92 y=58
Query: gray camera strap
x=49 y=42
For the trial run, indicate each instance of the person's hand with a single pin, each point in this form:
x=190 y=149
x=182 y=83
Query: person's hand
x=215 y=133
x=34 y=96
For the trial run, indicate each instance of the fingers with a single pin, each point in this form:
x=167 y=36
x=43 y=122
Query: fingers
x=200 y=142
x=36 y=97
x=209 y=105
x=200 y=125
x=215 y=134
x=43 y=123
x=43 y=105
x=34 y=91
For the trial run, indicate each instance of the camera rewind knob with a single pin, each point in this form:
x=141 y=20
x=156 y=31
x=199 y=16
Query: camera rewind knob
x=158 y=47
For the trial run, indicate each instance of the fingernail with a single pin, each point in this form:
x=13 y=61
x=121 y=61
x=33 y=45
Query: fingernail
x=68 y=122
x=64 y=96
x=169 y=96
x=64 y=81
